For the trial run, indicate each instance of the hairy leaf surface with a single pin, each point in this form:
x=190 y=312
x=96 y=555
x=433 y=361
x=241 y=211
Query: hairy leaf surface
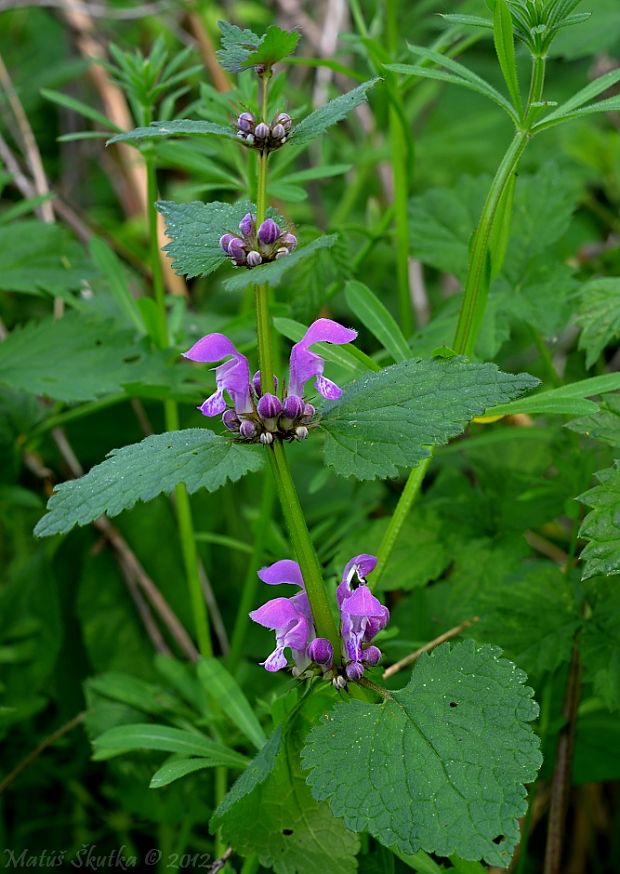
x=330 y=113
x=441 y=766
x=602 y=525
x=197 y=457
x=387 y=421
x=599 y=316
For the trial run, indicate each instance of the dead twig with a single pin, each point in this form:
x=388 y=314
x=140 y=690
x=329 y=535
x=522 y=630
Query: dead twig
x=96 y=10
x=412 y=657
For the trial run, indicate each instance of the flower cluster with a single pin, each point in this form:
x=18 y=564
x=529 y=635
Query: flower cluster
x=252 y=247
x=362 y=616
x=266 y=137
x=258 y=416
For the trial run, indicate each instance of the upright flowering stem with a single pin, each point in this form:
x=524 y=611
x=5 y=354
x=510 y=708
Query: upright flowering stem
x=304 y=548
x=475 y=292
x=171 y=413
x=261 y=294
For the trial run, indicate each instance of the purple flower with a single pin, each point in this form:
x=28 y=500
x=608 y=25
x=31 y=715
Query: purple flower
x=268 y=232
x=290 y=618
x=362 y=615
x=321 y=651
x=233 y=376
x=305 y=364
x=246 y=225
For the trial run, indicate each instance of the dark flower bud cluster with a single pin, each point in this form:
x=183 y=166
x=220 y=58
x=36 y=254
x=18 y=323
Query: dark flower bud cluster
x=263 y=136
x=253 y=247
x=271 y=418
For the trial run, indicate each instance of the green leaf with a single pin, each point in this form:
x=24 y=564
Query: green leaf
x=323 y=171
x=219 y=683
x=256 y=773
x=177 y=768
x=178 y=127
x=275 y=45
x=195 y=230
x=148 y=736
x=441 y=764
x=132 y=691
x=570 y=400
x=273 y=272
x=600 y=643
x=297 y=835
x=76 y=358
x=533 y=618
x=602 y=525
x=377 y=318
x=604 y=424
x=387 y=421
x=468 y=20
x=599 y=316
x=37 y=257
x=592 y=90
x=457 y=74
x=237 y=46
x=110 y=266
x=503 y=36
x=196 y=457
x=330 y=113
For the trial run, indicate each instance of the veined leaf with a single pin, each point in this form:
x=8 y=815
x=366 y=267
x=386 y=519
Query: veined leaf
x=274 y=46
x=412 y=770
x=178 y=127
x=602 y=525
x=256 y=773
x=111 y=268
x=387 y=421
x=599 y=316
x=503 y=36
x=237 y=45
x=273 y=272
x=176 y=768
x=36 y=257
x=330 y=113
x=139 y=472
x=224 y=688
x=377 y=318
x=195 y=230
x=604 y=424
x=600 y=644
x=149 y=736
x=570 y=400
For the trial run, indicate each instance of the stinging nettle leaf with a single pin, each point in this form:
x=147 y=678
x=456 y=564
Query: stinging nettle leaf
x=330 y=113
x=275 y=45
x=441 y=765
x=387 y=421
x=196 y=457
x=273 y=272
x=181 y=126
x=602 y=525
x=599 y=316
x=237 y=45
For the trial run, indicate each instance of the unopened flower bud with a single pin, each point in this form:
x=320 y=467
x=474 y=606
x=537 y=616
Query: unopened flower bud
x=268 y=232
x=278 y=132
x=289 y=241
x=225 y=240
x=293 y=407
x=269 y=407
x=236 y=250
x=247 y=429
x=246 y=225
x=372 y=655
x=321 y=651
x=301 y=432
x=282 y=253
x=339 y=682
x=261 y=131
x=231 y=420
x=256 y=382
x=285 y=120
x=249 y=139
x=309 y=412
x=245 y=122
x=355 y=670
x=266 y=438
x=254 y=258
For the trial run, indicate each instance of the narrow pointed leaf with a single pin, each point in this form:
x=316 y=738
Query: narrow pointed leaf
x=178 y=127
x=470 y=20
x=603 y=83
x=230 y=698
x=177 y=768
x=330 y=113
x=570 y=400
x=503 y=36
x=441 y=765
x=197 y=457
x=377 y=318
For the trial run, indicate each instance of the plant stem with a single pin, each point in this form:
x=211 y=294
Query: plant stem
x=171 y=413
x=406 y=499
x=304 y=548
x=261 y=293
x=401 y=178
x=250 y=585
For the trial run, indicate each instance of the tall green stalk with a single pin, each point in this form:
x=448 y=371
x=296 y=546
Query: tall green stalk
x=171 y=413
x=475 y=292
